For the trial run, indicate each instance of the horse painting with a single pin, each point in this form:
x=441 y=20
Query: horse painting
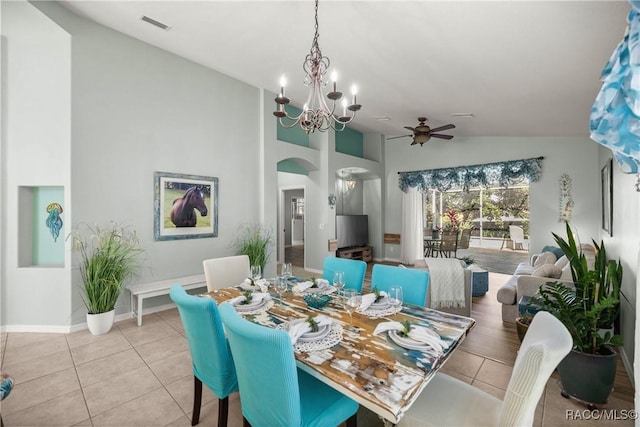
x=183 y=211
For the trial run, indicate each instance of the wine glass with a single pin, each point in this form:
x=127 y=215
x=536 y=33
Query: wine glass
x=338 y=281
x=395 y=297
x=353 y=299
x=285 y=270
x=256 y=272
x=281 y=286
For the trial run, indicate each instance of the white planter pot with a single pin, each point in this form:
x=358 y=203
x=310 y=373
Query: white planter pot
x=101 y=323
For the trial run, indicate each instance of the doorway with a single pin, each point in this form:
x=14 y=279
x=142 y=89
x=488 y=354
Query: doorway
x=292 y=230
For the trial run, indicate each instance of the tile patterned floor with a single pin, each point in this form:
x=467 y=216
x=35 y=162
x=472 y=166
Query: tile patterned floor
x=141 y=376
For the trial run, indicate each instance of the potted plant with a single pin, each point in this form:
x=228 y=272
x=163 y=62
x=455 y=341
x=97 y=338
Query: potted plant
x=522 y=324
x=108 y=257
x=254 y=241
x=588 y=372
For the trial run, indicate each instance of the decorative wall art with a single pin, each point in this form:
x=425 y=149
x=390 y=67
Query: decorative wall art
x=185 y=206
x=566 y=201
x=607 y=197
x=54 y=222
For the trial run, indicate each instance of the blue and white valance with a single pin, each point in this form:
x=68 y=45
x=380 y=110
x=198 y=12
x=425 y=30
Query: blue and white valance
x=466 y=177
x=615 y=115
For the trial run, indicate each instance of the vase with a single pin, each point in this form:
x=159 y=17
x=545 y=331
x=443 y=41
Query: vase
x=587 y=377
x=100 y=323
x=521 y=328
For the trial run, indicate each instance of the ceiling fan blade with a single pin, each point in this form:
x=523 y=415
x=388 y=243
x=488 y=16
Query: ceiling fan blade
x=396 y=137
x=409 y=128
x=414 y=142
x=439 y=135
x=445 y=127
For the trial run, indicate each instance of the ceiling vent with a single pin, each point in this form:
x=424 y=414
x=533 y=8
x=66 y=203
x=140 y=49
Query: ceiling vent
x=156 y=23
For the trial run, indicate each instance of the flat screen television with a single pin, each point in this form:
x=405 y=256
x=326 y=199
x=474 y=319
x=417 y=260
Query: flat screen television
x=352 y=230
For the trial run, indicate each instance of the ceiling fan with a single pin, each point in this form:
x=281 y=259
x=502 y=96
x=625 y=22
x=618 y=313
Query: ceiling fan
x=423 y=133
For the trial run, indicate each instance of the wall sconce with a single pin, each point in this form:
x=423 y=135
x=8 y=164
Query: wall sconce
x=332 y=200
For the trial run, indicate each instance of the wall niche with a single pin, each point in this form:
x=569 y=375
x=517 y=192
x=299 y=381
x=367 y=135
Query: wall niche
x=41 y=226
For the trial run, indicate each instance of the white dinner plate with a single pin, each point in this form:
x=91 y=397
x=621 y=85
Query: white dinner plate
x=251 y=306
x=406 y=342
x=380 y=305
x=322 y=332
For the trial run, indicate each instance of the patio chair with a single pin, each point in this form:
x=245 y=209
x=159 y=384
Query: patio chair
x=465 y=237
x=448 y=243
x=516 y=234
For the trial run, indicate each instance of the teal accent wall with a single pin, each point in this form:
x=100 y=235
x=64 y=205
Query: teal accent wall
x=46 y=251
x=294 y=135
x=350 y=142
x=291 y=167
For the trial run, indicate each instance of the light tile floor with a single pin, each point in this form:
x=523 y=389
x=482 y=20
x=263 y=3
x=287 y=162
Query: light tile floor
x=141 y=376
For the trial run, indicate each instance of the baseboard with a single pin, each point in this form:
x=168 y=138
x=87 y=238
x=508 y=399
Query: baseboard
x=297 y=243
x=313 y=270
x=391 y=260
x=52 y=329
x=628 y=366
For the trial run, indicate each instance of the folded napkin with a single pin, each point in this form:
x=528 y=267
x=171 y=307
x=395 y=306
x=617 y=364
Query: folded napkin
x=263 y=284
x=417 y=333
x=369 y=299
x=303 y=286
x=299 y=329
x=256 y=299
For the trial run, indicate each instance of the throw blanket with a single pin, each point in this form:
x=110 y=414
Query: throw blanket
x=447 y=282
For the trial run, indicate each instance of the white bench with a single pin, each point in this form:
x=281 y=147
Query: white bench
x=141 y=291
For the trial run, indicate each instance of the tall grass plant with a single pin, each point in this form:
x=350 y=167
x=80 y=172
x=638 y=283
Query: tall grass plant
x=109 y=256
x=256 y=242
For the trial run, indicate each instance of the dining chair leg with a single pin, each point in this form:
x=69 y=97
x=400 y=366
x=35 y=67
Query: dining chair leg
x=352 y=421
x=197 y=400
x=223 y=411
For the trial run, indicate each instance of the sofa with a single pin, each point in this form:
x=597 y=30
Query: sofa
x=530 y=276
x=462 y=311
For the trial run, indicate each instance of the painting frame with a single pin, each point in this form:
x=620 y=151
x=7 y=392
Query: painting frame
x=168 y=188
x=606 y=192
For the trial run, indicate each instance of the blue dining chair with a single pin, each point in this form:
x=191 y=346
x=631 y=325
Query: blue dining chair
x=414 y=282
x=273 y=392
x=210 y=354
x=354 y=271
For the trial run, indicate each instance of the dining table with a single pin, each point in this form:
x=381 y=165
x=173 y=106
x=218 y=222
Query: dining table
x=373 y=370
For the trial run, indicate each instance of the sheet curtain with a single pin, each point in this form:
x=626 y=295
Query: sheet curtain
x=411 y=239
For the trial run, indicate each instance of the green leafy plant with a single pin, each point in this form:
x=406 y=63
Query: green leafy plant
x=406 y=328
x=312 y=322
x=256 y=242
x=108 y=257
x=593 y=304
x=376 y=292
x=248 y=296
x=314 y=283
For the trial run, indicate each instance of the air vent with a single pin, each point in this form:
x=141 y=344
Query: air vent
x=462 y=115
x=156 y=23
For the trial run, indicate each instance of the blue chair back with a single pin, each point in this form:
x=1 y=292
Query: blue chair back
x=266 y=369
x=210 y=353
x=354 y=271
x=414 y=282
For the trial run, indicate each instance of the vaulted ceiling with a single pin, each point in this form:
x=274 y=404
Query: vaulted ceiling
x=521 y=68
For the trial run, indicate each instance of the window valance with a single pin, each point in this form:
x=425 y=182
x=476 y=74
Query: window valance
x=499 y=173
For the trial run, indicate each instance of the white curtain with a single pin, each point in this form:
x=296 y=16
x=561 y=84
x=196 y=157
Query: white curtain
x=411 y=236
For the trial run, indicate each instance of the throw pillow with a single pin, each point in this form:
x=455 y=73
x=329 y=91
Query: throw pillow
x=556 y=250
x=545 y=258
x=548 y=270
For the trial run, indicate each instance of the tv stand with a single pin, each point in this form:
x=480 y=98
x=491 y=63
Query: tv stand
x=357 y=252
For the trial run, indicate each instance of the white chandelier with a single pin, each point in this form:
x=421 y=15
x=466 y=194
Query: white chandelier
x=316 y=114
